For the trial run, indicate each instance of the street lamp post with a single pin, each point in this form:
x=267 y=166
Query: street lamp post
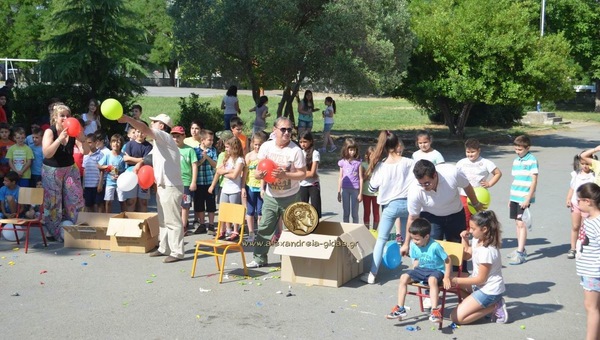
x=542 y=21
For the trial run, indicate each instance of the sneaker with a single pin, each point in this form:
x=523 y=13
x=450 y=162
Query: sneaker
x=211 y=230
x=255 y=264
x=520 y=258
x=571 y=254
x=201 y=229
x=501 y=314
x=436 y=315
x=514 y=253
x=333 y=149
x=399 y=239
x=397 y=313
x=368 y=278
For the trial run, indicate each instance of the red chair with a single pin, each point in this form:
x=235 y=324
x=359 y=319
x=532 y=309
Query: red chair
x=27 y=197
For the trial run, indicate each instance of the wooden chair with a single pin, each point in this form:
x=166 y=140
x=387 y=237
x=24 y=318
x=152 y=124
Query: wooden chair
x=228 y=213
x=27 y=196
x=455 y=252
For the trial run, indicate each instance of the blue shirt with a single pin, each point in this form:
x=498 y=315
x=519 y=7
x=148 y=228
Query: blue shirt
x=431 y=256
x=4 y=192
x=38 y=159
x=118 y=164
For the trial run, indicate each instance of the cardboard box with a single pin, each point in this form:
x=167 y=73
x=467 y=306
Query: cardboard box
x=132 y=232
x=89 y=231
x=332 y=255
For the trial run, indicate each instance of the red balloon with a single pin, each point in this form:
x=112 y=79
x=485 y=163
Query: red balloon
x=268 y=166
x=72 y=126
x=145 y=177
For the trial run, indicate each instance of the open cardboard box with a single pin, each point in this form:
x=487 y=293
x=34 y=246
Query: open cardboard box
x=133 y=232
x=332 y=255
x=89 y=231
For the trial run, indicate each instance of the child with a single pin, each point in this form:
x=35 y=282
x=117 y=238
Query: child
x=310 y=187
x=137 y=198
x=29 y=138
x=262 y=112
x=203 y=200
x=237 y=126
x=3 y=117
x=328 y=124
x=91 y=119
x=114 y=165
x=92 y=185
x=136 y=113
x=486 y=281
x=477 y=170
x=423 y=141
x=581 y=174
x=351 y=180
x=431 y=265
x=306 y=107
x=232 y=170
x=189 y=171
x=20 y=157
x=101 y=143
x=38 y=157
x=217 y=183
x=254 y=200
x=369 y=198
x=588 y=256
x=5 y=143
x=9 y=195
x=522 y=193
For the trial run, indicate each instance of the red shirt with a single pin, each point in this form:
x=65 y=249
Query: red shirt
x=3 y=118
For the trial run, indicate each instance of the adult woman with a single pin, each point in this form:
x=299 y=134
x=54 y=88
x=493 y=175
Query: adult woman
x=63 y=194
x=231 y=105
x=92 y=117
x=194 y=140
x=306 y=107
x=391 y=176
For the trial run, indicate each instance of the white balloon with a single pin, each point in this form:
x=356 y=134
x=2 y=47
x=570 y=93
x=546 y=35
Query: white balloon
x=66 y=223
x=9 y=234
x=127 y=181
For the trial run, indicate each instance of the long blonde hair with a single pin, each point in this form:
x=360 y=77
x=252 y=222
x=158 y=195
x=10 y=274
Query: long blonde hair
x=56 y=110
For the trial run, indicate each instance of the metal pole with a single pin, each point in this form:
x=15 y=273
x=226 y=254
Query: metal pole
x=543 y=18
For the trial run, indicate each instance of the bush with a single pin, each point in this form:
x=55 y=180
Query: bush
x=485 y=115
x=193 y=109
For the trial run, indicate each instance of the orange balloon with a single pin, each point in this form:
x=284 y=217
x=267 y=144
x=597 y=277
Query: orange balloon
x=73 y=127
x=268 y=166
x=146 y=177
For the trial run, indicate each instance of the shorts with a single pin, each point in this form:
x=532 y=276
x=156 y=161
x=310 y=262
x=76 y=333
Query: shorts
x=303 y=124
x=137 y=192
x=253 y=203
x=516 y=211
x=423 y=274
x=327 y=127
x=187 y=198
x=203 y=201
x=591 y=284
x=92 y=197
x=109 y=194
x=484 y=299
x=231 y=198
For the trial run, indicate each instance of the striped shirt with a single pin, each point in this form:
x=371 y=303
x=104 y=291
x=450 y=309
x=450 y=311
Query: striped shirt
x=588 y=264
x=205 y=171
x=91 y=175
x=523 y=170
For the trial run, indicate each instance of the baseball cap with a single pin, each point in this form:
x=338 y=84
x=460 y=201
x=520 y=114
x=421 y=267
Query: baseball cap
x=162 y=118
x=178 y=130
x=224 y=135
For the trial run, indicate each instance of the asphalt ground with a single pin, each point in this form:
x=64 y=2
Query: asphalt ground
x=95 y=294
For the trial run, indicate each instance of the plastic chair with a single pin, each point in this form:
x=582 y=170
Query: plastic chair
x=27 y=196
x=455 y=252
x=228 y=213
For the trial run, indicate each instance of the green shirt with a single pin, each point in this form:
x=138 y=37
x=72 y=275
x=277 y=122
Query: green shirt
x=188 y=159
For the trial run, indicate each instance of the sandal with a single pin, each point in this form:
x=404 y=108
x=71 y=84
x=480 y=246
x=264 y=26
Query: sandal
x=233 y=237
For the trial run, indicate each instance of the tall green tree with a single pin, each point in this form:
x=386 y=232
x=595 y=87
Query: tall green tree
x=480 y=51
x=95 y=44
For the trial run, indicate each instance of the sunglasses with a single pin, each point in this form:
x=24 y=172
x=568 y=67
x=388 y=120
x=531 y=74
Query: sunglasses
x=426 y=184
x=284 y=130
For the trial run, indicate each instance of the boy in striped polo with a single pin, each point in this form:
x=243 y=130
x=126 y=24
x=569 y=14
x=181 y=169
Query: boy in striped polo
x=522 y=193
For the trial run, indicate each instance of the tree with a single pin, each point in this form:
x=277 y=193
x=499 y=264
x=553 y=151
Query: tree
x=578 y=20
x=480 y=51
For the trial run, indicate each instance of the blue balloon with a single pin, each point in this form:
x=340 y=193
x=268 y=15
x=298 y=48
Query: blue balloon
x=391 y=255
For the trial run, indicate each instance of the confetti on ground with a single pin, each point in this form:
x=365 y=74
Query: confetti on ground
x=41 y=282
x=15 y=294
x=15 y=249
x=153 y=275
x=182 y=270
x=125 y=304
x=43 y=272
x=522 y=326
x=3 y=257
x=198 y=316
x=149 y=281
x=353 y=306
x=92 y=255
x=202 y=290
x=234 y=264
x=278 y=292
x=259 y=304
x=84 y=263
x=274 y=269
x=11 y=263
x=258 y=284
x=107 y=255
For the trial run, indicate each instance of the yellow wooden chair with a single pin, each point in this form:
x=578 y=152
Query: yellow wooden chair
x=455 y=252
x=27 y=197
x=228 y=213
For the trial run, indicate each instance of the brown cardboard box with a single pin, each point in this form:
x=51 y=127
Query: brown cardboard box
x=132 y=232
x=332 y=255
x=89 y=231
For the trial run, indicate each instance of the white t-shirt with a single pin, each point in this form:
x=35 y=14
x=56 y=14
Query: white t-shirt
x=445 y=200
x=577 y=179
x=289 y=157
x=230 y=105
x=308 y=182
x=490 y=255
x=232 y=186
x=475 y=171
x=166 y=160
x=329 y=115
x=433 y=156
x=92 y=127
x=392 y=181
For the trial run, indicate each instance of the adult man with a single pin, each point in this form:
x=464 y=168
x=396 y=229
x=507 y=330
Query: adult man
x=167 y=174
x=291 y=169
x=436 y=198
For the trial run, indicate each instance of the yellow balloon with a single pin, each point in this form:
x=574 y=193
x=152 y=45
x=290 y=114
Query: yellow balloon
x=483 y=196
x=111 y=109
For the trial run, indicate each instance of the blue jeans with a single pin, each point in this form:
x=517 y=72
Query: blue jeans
x=446 y=227
x=393 y=210
x=350 y=201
